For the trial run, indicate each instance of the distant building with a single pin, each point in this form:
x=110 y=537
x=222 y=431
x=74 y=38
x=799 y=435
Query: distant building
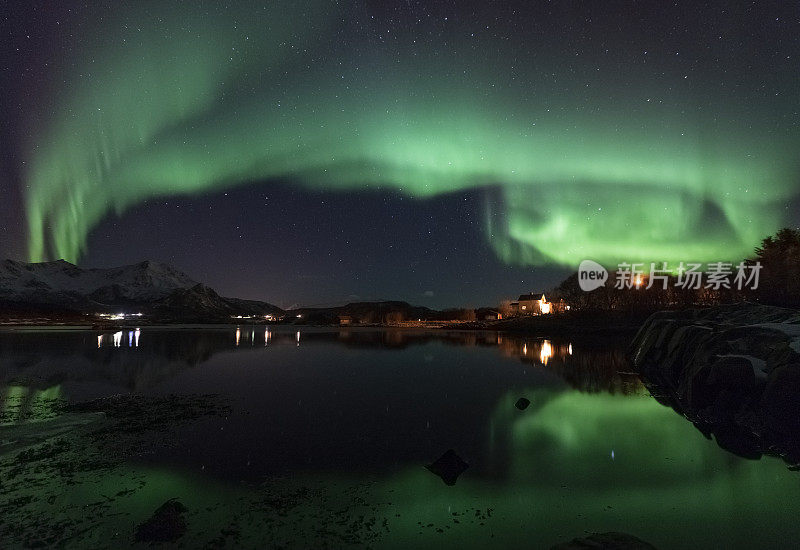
x=345 y=320
x=486 y=314
x=536 y=303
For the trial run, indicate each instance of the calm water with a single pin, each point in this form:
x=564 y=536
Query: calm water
x=329 y=431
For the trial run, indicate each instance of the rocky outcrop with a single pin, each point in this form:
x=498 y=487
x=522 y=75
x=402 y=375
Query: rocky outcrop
x=734 y=371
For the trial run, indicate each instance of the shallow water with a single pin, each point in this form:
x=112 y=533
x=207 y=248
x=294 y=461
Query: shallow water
x=328 y=433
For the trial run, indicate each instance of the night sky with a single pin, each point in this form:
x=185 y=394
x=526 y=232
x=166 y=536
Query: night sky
x=444 y=153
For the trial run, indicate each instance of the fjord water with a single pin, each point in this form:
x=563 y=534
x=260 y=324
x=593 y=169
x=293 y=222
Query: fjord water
x=329 y=431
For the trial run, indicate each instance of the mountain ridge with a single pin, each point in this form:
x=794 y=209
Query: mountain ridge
x=154 y=288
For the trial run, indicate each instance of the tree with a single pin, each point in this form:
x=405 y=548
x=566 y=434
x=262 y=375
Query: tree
x=779 y=281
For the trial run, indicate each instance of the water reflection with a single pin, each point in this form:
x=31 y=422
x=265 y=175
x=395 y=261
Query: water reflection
x=251 y=333
x=603 y=441
x=588 y=367
x=118 y=337
x=380 y=404
x=546 y=352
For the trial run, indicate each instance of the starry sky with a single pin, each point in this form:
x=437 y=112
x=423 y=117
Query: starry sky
x=445 y=153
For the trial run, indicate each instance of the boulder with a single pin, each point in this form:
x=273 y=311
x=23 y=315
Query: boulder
x=605 y=541
x=448 y=467
x=167 y=524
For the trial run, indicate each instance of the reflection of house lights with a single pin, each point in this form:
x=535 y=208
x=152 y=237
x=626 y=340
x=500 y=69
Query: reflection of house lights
x=546 y=352
x=133 y=339
x=524 y=349
x=238 y=335
x=638 y=282
x=570 y=349
x=297 y=336
x=266 y=337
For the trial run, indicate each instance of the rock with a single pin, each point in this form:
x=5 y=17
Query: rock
x=522 y=403
x=781 y=397
x=738 y=441
x=726 y=384
x=733 y=371
x=167 y=524
x=448 y=467
x=606 y=541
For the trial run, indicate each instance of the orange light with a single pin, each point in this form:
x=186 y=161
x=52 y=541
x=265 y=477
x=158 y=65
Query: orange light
x=546 y=352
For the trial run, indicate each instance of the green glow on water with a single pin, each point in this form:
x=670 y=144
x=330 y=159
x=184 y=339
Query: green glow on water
x=577 y=433
x=665 y=484
x=20 y=402
x=196 y=100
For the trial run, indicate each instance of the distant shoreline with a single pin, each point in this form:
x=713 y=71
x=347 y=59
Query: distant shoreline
x=596 y=324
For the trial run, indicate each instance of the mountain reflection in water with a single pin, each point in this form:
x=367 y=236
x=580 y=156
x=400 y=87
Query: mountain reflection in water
x=327 y=408
x=135 y=362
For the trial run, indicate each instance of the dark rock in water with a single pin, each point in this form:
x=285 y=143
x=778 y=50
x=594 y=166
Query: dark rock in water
x=734 y=371
x=167 y=524
x=606 y=541
x=448 y=467
x=737 y=441
x=522 y=403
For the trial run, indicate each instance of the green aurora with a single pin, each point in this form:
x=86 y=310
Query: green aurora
x=595 y=155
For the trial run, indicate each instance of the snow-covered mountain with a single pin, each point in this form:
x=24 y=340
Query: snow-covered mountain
x=150 y=286
x=146 y=280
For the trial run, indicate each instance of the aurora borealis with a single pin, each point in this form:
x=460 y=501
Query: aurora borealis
x=616 y=132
